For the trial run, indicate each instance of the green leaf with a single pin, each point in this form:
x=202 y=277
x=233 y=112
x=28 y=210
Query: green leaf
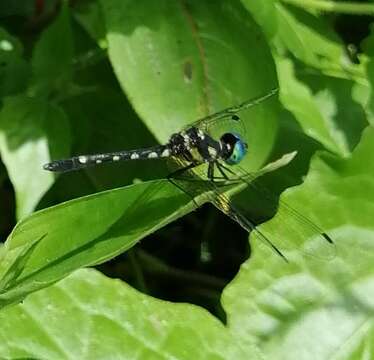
x=294 y=33
x=369 y=50
x=31 y=133
x=309 y=38
x=52 y=57
x=265 y=14
x=86 y=231
x=14 y=70
x=110 y=318
x=89 y=15
x=292 y=310
x=177 y=62
x=323 y=106
x=100 y=122
x=13 y=8
x=51 y=243
x=306 y=36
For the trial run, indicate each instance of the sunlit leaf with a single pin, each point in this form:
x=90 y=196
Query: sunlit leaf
x=306 y=36
x=323 y=106
x=292 y=310
x=116 y=321
x=31 y=133
x=177 y=63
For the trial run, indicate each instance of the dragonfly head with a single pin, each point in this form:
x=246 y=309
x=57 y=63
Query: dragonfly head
x=234 y=148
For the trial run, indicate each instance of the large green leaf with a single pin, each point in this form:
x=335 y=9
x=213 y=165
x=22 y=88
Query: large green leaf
x=177 y=62
x=111 y=320
x=51 y=243
x=310 y=308
x=31 y=133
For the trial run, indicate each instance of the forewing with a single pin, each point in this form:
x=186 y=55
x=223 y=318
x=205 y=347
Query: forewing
x=210 y=121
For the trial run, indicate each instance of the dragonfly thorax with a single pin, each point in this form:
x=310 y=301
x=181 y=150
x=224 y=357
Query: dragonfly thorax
x=185 y=142
x=178 y=144
x=229 y=148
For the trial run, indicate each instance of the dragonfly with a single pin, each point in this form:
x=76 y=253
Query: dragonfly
x=206 y=157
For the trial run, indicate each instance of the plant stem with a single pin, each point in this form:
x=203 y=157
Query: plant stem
x=332 y=6
x=156 y=266
x=139 y=276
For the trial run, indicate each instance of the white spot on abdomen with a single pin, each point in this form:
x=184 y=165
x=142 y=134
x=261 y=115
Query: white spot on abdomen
x=152 y=155
x=82 y=159
x=116 y=158
x=134 y=156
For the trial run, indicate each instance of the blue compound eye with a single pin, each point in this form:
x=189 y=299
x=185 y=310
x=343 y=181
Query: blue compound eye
x=237 y=148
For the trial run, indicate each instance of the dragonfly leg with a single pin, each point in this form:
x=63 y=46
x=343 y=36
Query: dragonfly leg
x=211 y=176
x=179 y=172
x=220 y=169
x=226 y=168
x=211 y=171
x=172 y=178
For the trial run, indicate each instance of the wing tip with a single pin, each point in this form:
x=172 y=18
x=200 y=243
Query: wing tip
x=327 y=238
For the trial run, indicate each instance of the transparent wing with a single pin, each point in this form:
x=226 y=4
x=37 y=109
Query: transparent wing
x=224 y=203
x=201 y=191
x=288 y=231
x=229 y=113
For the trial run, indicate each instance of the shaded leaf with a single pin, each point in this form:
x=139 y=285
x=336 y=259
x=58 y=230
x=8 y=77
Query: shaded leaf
x=52 y=56
x=89 y=15
x=20 y=7
x=14 y=70
x=31 y=133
